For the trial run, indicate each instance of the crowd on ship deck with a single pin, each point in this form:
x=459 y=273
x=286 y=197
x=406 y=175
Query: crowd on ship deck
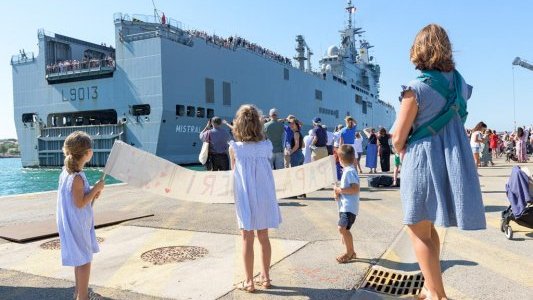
x=235 y=42
x=74 y=64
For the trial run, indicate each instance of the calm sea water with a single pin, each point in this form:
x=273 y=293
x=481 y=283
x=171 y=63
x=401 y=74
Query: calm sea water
x=14 y=179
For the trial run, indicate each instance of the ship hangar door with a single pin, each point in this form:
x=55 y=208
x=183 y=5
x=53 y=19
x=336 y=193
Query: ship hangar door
x=101 y=125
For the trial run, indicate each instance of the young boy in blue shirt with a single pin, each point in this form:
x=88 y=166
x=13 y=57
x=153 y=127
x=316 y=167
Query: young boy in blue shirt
x=347 y=197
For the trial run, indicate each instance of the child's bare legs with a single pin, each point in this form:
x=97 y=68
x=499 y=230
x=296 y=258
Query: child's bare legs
x=476 y=159
x=347 y=240
x=266 y=254
x=396 y=171
x=248 y=256
x=358 y=164
x=82 y=274
x=76 y=281
x=426 y=244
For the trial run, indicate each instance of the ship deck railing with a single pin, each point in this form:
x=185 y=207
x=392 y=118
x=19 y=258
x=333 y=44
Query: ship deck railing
x=149 y=19
x=22 y=58
x=80 y=70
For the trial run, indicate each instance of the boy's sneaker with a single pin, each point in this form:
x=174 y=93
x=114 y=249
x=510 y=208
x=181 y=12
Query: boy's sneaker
x=95 y=296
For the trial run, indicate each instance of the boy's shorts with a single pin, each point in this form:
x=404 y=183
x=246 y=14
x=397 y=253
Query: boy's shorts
x=397 y=161
x=346 y=219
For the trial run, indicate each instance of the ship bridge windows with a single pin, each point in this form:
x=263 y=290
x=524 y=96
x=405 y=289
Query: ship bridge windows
x=140 y=109
x=82 y=118
x=340 y=80
x=191 y=112
x=29 y=118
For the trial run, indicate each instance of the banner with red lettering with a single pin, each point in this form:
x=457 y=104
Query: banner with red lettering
x=156 y=175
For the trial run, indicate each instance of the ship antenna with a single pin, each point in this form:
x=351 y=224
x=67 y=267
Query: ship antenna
x=350 y=9
x=156 y=14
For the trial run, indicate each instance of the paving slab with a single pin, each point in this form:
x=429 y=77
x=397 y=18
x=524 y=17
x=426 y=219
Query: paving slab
x=119 y=265
x=34 y=230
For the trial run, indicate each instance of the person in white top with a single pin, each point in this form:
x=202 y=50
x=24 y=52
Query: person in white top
x=331 y=139
x=308 y=139
x=358 y=145
x=475 y=140
x=337 y=135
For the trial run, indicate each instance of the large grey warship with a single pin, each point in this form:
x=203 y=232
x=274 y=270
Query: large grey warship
x=156 y=88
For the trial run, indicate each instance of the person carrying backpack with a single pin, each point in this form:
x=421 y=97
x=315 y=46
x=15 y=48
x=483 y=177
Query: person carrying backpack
x=439 y=184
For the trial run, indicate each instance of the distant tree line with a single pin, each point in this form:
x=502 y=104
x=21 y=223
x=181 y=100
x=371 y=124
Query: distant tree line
x=9 y=147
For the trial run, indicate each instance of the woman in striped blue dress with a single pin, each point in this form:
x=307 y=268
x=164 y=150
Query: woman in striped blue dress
x=75 y=221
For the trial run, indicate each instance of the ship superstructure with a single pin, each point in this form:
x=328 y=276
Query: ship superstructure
x=160 y=83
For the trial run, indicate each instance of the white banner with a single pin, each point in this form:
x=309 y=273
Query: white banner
x=159 y=176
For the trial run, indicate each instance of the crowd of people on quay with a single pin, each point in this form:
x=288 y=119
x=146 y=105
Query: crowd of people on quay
x=292 y=147
x=488 y=144
x=74 y=64
x=236 y=42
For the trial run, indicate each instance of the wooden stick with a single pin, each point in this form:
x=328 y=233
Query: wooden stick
x=101 y=179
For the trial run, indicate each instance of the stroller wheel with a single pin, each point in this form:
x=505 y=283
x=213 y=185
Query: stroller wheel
x=509 y=232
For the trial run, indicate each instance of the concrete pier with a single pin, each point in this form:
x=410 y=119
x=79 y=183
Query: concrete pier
x=476 y=264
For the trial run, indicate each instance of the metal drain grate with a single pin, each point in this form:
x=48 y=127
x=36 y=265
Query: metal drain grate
x=391 y=282
x=165 y=255
x=56 y=245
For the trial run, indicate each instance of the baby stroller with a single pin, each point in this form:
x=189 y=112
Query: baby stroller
x=510 y=154
x=519 y=193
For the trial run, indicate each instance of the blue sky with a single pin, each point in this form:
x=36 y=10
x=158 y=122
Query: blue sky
x=486 y=36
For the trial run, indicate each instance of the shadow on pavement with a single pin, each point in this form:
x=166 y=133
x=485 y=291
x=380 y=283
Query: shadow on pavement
x=495 y=208
x=412 y=267
x=35 y=293
x=312 y=293
x=331 y=199
x=370 y=199
x=493 y=192
x=297 y=204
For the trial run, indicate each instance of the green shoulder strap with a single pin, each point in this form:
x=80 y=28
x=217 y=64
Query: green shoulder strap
x=455 y=104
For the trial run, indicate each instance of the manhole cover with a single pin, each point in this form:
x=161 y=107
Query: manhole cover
x=392 y=282
x=56 y=245
x=166 y=255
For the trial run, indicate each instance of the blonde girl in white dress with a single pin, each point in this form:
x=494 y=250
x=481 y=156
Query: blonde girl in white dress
x=255 y=194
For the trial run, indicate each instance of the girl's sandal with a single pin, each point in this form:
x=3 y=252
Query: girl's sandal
x=264 y=283
x=249 y=288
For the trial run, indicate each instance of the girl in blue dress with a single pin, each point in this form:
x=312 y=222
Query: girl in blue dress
x=75 y=221
x=440 y=185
